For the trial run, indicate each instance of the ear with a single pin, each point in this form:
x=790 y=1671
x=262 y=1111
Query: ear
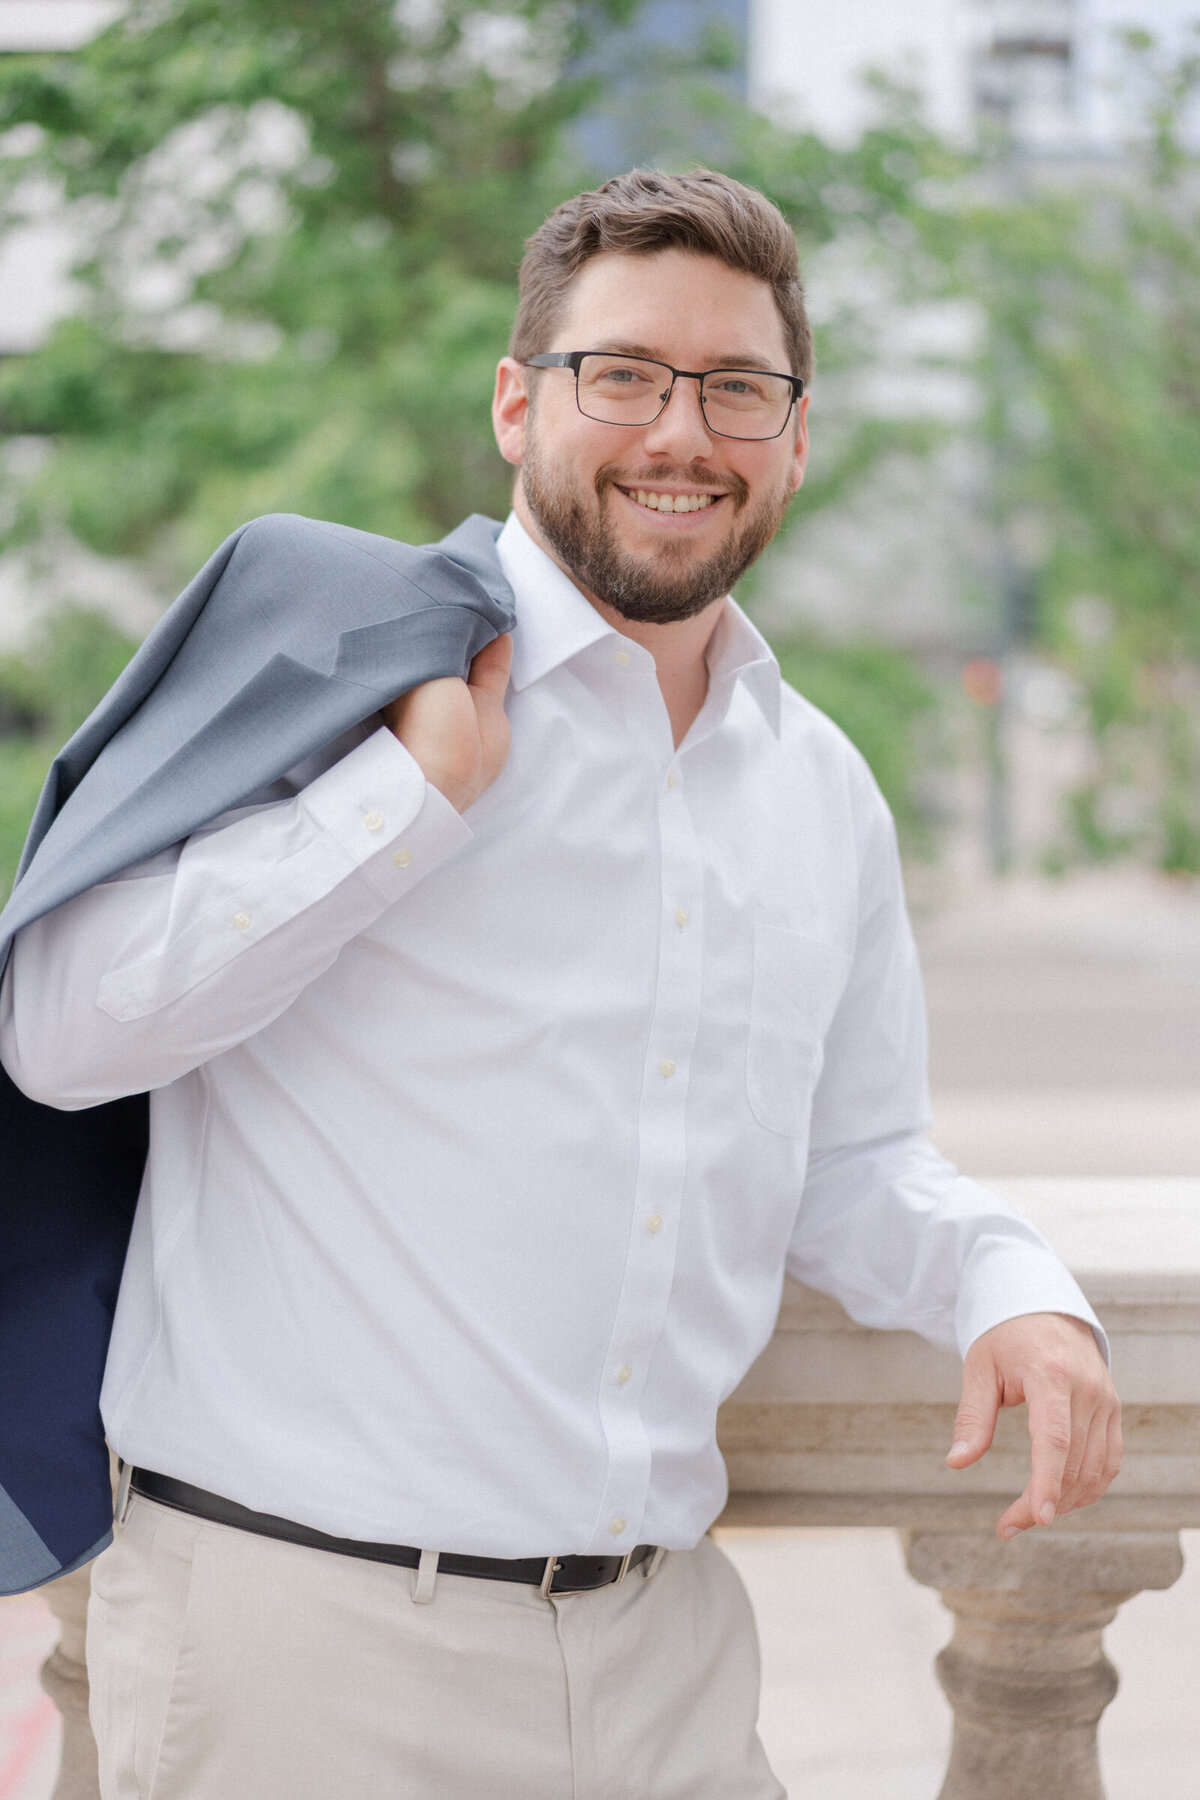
x=510 y=408
x=800 y=448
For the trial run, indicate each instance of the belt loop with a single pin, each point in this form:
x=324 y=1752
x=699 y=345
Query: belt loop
x=652 y=1564
x=426 y=1576
x=121 y=1504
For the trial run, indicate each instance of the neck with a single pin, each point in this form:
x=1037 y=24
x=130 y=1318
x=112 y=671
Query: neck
x=678 y=649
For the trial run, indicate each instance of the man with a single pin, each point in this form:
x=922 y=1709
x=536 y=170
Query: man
x=495 y=1081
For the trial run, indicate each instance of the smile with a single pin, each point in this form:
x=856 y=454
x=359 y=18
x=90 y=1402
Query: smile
x=669 y=503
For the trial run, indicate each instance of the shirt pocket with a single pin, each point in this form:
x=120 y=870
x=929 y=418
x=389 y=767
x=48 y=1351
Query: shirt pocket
x=798 y=982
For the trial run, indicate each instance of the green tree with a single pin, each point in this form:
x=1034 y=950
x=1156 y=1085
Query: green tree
x=44 y=695
x=1091 y=378
x=302 y=221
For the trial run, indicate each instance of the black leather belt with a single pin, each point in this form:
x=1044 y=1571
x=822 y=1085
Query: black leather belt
x=552 y=1574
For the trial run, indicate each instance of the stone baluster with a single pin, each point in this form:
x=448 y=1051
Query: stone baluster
x=64 y=1677
x=1025 y=1671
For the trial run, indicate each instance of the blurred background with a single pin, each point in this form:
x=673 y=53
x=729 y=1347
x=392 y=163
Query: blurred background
x=260 y=255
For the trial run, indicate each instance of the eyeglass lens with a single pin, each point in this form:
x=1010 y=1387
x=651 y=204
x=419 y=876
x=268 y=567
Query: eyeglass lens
x=629 y=390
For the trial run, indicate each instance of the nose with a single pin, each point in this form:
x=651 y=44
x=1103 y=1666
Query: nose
x=680 y=430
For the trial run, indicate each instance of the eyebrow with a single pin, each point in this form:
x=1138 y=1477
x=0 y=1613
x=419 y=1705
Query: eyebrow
x=733 y=359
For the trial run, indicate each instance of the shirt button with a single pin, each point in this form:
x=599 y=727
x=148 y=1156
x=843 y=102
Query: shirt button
x=672 y=778
x=624 y=1374
x=681 y=916
x=654 y=1222
x=402 y=858
x=621 y=658
x=374 y=821
x=618 y=1525
x=666 y=1068
x=242 y=921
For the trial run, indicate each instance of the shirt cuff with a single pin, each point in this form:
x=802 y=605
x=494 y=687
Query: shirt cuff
x=1007 y=1280
x=377 y=805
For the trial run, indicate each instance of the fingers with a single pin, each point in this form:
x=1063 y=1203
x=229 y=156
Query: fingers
x=1051 y=1361
x=1075 y=1429
x=491 y=668
x=1099 y=1464
x=457 y=731
x=978 y=1408
x=1051 y=1432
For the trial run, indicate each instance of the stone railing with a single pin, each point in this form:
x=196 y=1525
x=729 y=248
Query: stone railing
x=838 y=1425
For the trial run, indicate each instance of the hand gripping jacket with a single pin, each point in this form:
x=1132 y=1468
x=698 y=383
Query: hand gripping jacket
x=293 y=632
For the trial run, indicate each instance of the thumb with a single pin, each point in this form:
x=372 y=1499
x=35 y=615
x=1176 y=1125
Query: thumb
x=975 y=1421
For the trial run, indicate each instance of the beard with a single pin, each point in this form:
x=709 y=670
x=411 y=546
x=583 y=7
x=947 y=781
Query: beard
x=656 y=588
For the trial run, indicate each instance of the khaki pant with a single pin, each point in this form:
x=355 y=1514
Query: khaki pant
x=231 y=1667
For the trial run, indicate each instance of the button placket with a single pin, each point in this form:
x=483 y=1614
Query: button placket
x=650 y=1260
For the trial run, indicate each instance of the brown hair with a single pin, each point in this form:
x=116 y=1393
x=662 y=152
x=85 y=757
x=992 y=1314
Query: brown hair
x=645 y=211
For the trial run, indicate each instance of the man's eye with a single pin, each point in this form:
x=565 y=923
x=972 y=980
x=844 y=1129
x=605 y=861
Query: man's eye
x=622 y=377
x=736 y=387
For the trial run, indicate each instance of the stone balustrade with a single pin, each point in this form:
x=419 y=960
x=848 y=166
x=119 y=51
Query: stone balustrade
x=839 y=1425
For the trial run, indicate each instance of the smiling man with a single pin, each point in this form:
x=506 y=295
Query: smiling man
x=503 y=1058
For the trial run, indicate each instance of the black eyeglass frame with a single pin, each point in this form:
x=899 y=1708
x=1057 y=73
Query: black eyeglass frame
x=571 y=359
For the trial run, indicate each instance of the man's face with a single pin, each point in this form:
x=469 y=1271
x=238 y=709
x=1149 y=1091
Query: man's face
x=580 y=479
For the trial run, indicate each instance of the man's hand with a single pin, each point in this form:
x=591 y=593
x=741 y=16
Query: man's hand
x=1051 y=1362
x=457 y=730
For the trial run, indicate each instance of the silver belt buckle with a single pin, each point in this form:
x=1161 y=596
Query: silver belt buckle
x=553 y=1565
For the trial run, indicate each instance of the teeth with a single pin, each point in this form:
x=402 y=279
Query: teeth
x=673 y=502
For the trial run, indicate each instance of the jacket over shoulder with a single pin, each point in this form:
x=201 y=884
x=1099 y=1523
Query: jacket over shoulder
x=294 y=631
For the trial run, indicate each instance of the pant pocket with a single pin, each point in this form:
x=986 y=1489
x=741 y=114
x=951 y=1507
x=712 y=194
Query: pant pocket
x=137 y=1617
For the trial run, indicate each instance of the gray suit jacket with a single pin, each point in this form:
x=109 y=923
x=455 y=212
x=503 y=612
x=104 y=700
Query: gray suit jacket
x=293 y=631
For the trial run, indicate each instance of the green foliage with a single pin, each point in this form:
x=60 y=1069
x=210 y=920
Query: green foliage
x=51 y=689
x=23 y=765
x=883 y=703
x=44 y=696
x=303 y=223
x=1090 y=375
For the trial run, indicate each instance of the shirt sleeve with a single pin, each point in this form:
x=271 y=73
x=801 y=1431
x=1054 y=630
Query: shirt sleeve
x=886 y=1225
x=142 y=978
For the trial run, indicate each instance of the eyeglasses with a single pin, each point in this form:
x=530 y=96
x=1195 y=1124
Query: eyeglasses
x=629 y=390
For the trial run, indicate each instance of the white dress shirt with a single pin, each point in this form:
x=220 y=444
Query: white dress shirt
x=480 y=1145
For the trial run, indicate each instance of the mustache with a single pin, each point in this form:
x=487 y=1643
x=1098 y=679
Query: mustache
x=690 y=475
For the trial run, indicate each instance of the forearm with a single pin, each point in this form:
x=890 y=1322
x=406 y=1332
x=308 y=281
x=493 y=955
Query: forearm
x=143 y=978
x=904 y=1241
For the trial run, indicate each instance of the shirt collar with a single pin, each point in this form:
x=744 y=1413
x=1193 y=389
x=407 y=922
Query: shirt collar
x=737 y=651
x=555 y=622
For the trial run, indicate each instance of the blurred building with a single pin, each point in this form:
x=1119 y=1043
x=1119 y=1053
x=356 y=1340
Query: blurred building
x=1047 y=71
